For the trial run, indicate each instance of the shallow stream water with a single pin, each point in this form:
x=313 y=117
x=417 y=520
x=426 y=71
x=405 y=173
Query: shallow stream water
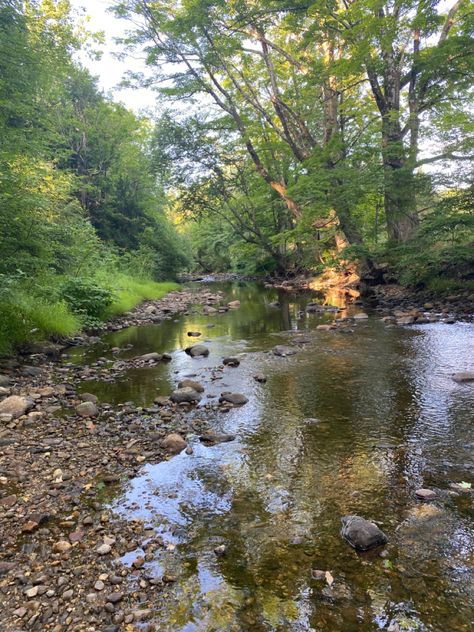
x=351 y=424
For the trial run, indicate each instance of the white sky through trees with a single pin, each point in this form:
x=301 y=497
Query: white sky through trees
x=108 y=69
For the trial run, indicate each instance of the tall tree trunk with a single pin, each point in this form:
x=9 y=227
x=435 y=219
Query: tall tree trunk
x=398 y=181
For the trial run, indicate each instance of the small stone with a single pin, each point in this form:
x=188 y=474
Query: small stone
x=467 y=376
x=362 y=534
x=99 y=585
x=67 y=595
x=233 y=304
x=260 y=377
x=61 y=547
x=87 y=409
x=15 y=406
x=141 y=615
x=138 y=562
x=284 y=350
x=196 y=386
x=8 y=501
x=220 y=551
x=174 y=443
x=361 y=316
x=197 y=350
x=233 y=398
x=6 y=567
x=231 y=361
x=89 y=397
x=103 y=549
x=114 y=597
x=425 y=494
x=185 y=395
x=32 y=592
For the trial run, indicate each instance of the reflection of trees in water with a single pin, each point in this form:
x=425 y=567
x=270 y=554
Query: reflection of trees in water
x=369 y=388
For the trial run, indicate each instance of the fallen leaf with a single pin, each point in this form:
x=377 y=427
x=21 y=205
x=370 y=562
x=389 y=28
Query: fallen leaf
x=465 y=485
x=329 y=578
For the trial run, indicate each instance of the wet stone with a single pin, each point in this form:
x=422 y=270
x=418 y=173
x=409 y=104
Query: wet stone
x=174 y=443
x=425 y=494
x=197 y=350
x=284 y=350
x=237 y=399
x=361 y=533
x=185 y=395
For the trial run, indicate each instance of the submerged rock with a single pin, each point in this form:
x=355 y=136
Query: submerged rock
x=185 y=395
x=362 y=534
x=150 y=357
x=233 y=305
x=233 y=398
x=215 y=438
x=199 y=388
x=260 y=377
x=284 y=350
x=197 y=350
x=194 y=334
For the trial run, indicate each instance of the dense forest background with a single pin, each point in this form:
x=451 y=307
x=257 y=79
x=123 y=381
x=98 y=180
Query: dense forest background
x=291 y=136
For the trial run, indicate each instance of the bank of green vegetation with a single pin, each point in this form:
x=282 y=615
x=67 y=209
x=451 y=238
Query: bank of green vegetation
x=84 y=231
x=306 y=136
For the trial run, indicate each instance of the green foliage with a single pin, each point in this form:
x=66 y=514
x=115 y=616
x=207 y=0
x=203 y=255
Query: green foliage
x=440 y=255
x=87 y=299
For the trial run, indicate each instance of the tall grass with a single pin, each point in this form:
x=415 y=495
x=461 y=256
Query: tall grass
x=130 y=291
x=26 y=316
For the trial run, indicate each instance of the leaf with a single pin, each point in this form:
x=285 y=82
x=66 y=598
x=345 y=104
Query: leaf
x=465 y=485
x=388 y=564
x=329 y=578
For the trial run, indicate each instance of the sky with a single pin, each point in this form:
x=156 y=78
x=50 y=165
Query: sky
x=109 y=70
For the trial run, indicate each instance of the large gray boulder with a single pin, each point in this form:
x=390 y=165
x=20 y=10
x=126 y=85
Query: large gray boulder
x=197 y=350
x=362 y=534
x=185 y=395
x=15 y=406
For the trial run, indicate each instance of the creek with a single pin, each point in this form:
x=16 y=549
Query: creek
x=353 y=423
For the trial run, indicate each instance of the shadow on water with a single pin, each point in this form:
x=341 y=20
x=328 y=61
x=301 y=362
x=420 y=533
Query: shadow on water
x=353 y=423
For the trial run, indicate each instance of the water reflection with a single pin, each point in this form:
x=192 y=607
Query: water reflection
x=351 y=424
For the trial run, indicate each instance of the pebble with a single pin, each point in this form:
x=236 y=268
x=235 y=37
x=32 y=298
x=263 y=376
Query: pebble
x=425 y=494
x=62 y=546
x=103 y=549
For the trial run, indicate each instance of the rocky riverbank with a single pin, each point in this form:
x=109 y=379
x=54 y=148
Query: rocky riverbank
x=62 y=455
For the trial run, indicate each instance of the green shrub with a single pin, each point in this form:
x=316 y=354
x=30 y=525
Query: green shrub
x=87 y=299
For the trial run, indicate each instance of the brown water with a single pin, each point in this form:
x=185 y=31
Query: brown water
x=352 y=424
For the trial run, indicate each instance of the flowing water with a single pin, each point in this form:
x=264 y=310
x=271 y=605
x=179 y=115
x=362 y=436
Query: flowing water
x=351 y=424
